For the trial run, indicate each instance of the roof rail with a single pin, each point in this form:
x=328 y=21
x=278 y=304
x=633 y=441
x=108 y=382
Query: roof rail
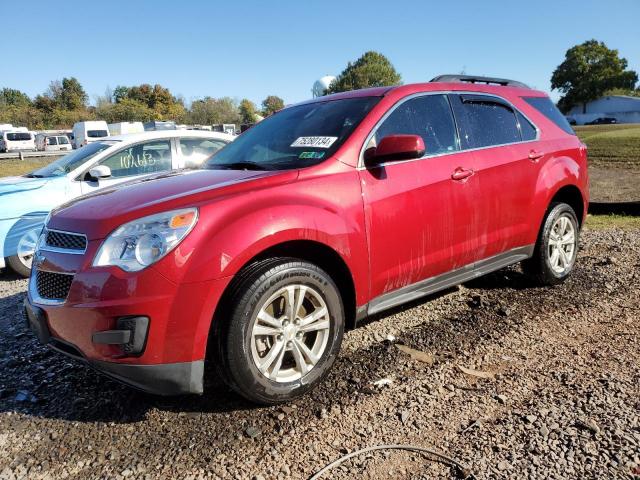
x=505 y=82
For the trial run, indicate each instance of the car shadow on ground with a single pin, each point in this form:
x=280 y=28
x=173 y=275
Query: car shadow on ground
x=38 y=381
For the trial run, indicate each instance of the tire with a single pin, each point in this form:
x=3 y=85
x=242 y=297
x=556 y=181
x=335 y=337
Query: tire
x=17 y=266
x=268 y=360
x=544 y=267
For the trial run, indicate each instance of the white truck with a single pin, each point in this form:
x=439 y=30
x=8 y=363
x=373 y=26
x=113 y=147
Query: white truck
x=87 y=132
x=123 y=128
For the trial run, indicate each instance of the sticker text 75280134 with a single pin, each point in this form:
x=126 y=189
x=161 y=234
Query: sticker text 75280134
x=314 y=142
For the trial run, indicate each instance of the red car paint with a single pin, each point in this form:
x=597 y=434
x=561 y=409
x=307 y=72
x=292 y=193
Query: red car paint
x=418 y=220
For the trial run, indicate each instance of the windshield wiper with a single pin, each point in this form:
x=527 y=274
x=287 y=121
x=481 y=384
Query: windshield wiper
x=33 y=175
x=237 y=166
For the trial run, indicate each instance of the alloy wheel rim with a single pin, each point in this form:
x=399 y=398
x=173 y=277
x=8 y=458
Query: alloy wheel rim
x=290 y=333
x=562 y=245
x=27 y=247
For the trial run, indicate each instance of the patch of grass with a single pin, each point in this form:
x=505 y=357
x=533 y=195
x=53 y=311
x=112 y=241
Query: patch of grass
x=612 y=145
x=11 y=167
x=601 y=222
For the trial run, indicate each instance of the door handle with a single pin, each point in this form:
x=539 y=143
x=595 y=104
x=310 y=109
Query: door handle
x=535 y=156
x=461 y=173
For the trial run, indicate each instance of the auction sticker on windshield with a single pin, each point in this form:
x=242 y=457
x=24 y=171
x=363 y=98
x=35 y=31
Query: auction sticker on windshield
x=314 y=142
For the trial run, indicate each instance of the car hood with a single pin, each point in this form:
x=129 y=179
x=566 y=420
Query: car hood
x=21 y=184
x=98 y=214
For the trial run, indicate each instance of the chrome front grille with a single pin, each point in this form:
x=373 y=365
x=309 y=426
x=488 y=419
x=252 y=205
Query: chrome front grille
x=75 y=242
x=53 y=286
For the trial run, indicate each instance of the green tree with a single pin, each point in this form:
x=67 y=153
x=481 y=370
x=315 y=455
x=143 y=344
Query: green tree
x=371 y=70
x=247 y=111
x=272 y=104
x=208 y=111
x=73 y=96
x=588 y=71
x=13 y=97
x=126 y=110
x=158 y=99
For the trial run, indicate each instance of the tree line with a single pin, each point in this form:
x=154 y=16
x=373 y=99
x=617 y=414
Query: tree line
x=589 y=71
x=66 y=102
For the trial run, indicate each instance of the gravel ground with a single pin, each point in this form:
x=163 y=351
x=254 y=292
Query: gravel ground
x=552 y=390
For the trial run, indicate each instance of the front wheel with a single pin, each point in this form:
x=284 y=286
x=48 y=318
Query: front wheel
x=21 y=262
x=556 y=248
x=282 y=331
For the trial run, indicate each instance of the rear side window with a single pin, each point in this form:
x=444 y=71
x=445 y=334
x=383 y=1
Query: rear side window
x=545 y=106
x=527 y=130
x=97 y=133
x=428 y=116
x=196 y=150
x=484 y=121
x=20 y=136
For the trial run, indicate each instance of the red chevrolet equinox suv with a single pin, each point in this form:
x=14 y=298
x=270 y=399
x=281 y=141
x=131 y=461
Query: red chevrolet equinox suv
x=325 y=212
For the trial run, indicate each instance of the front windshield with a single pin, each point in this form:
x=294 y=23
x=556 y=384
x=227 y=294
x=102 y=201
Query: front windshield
x=70 y=162
x=295 y=137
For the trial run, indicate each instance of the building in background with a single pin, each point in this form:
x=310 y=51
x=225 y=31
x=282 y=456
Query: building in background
x=623 y=108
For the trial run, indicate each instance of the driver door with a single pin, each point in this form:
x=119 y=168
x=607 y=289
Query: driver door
x=133 y=162
x=421 y=214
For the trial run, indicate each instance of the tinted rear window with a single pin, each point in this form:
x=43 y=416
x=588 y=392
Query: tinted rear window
x=545 y=106
x=97 y=133
x=14 y=137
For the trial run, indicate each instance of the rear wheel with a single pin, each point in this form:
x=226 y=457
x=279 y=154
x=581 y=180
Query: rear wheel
x=282 y=331
x=556 y=248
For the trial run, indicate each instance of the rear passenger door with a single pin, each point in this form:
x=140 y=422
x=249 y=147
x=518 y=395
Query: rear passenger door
x=503 y=144
x=421 y=215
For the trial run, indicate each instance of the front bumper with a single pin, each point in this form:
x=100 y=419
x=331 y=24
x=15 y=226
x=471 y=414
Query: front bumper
x=91 y=322
x=160 y=379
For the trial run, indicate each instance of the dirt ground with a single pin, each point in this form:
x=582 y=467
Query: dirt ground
x=619 y=184
x=561 y=397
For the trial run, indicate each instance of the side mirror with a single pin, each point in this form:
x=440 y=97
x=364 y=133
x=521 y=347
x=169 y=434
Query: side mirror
x=99 y=171
x=394 y=148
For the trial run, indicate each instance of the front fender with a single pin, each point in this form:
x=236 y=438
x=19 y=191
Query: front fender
x=12 y=230
x=232 y=231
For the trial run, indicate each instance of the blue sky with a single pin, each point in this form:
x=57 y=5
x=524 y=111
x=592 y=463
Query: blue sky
x=252 y=48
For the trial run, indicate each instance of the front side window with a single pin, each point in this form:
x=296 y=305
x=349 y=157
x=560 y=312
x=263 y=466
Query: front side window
x=141 y=159
x=63 y=141
x=97 y=133
x=195 y=151
x=70 y=162
x=428 y=116
x=295 y=137
x=484 y=122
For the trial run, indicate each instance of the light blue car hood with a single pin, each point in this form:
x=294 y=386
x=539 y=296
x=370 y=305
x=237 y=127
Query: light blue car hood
x=21 y=184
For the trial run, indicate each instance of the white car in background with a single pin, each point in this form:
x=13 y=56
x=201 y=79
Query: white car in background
x=14 y=141
x=52 y=143
x=26 y=201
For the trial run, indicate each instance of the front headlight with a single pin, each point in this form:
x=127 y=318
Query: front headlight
x=138 y=244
